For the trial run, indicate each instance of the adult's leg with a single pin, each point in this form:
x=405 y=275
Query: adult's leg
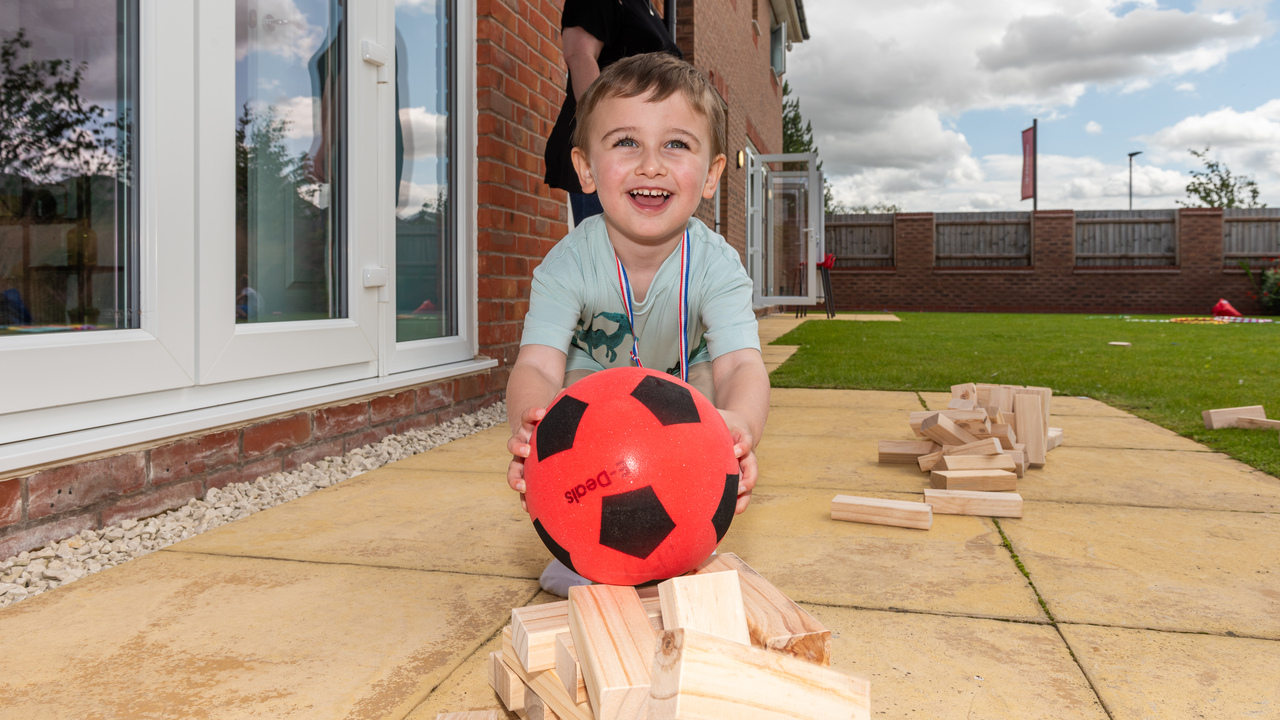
x=584 y=206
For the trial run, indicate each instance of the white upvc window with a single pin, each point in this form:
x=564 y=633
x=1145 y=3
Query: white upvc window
x=294 y=214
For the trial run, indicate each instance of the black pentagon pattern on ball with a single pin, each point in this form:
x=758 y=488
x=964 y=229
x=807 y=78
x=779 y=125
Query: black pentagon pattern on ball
x=634 y=522
x=559 y=427
x=556 y=549
x=671 y=403
x=724 y=511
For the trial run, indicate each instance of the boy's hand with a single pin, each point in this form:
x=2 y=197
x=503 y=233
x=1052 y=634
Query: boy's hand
x=742 y=449
x=519 y=448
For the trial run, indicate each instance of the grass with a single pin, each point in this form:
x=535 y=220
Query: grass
x=1170 y=374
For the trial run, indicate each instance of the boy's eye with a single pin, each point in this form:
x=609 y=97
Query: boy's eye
x=625 y=142
x=678 y=144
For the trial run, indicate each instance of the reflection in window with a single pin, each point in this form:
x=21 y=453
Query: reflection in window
x=426 y=260
x=68 y=93
x=290 y=249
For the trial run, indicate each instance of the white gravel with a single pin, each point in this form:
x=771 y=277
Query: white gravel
x=56 y=564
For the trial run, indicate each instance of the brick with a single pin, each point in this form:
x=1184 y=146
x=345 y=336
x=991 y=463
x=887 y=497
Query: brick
x=367 y=437
x=435 y=396
x=10 y=502
x=341 y=420
x=313 y=453
x=152 y=502
x=391 y=407
x=417 y=422
x=194 y=456
x=471 y=386
x=276 y=435
x=75 y=486
x=244 y=473
x=37 y=536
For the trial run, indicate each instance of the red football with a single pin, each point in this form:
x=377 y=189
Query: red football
x=632 y=477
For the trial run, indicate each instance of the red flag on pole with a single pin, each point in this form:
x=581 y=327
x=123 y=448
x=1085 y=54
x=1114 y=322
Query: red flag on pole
x=1029 y=162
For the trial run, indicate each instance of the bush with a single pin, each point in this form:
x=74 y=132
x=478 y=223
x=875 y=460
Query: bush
x=1266 y=285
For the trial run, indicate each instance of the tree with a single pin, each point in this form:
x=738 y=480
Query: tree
x=1215 y=186
x=797 y=137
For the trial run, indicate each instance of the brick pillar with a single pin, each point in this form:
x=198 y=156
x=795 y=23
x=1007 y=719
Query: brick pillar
x=1054 y=241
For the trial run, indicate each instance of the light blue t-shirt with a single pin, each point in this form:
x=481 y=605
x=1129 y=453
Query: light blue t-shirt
x=576 y=306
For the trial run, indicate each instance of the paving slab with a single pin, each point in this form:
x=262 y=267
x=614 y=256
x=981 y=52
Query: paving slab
x=1085 y=406
x=865 y=421
x=775 y=355
x=958 y=567
x=1121 y=432
x=481 y=452
x=891 y=405
x=775 y=326
x=1150 y=478
x=1146 y=674
x=865 y=317
x=181 y=635
x=1154 y=568
x=394 y=517
x=843 y=464
x=955 y=668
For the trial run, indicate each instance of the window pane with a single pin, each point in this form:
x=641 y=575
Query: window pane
x=68 y=93
x=426 y=260
x=290 y=245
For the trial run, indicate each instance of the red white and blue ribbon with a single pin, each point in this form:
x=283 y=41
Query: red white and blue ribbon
x=625 y=284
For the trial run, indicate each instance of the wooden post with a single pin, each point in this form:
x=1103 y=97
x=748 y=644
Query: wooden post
x=567 y=668
x=615 y=645
x=904 y=452
x=966 y=502
x=545 y=684
x=877 y=511
x=985 y=480
x=709 y=603
x=1031 y=428
x=506 y=684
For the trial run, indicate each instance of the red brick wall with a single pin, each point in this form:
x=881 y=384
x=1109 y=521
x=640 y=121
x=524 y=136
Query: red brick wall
x=718 y=38
x=1053 y=283
x=520 y=78
x=54 y=503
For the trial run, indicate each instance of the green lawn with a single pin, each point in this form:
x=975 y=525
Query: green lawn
x=1170 y=374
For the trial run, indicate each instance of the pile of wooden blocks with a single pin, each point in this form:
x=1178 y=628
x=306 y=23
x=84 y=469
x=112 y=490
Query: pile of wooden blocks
x=721 y=642
x=1250 y=416
x=974 y=452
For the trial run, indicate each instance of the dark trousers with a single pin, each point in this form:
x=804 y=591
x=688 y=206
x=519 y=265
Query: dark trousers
x=584 y=206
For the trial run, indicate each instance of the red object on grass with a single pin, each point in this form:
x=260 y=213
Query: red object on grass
x=1224 y=309
x=828 y=262
x=632 y=477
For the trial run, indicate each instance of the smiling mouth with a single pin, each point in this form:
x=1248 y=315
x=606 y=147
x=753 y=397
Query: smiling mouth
x=648 y=198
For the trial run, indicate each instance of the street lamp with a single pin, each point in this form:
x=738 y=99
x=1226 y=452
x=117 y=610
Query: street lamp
x=1138 y=152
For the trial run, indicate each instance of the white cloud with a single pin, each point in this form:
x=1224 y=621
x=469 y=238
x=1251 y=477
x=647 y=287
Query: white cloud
x=1247 y=142
x=1093 y=128
x=412 y=196
x=1185 y=87
x=427 y=6
x=301 y=115
x=424 y=132
x=881 y=89
x=278 y=27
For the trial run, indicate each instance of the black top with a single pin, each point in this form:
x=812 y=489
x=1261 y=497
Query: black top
x=626 y=27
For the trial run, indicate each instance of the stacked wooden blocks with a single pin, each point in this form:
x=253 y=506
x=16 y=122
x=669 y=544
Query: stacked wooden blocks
x=721 y=642
x=1251 y=416
x=974 y=452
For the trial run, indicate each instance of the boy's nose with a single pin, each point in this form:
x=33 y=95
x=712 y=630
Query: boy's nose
x=651 y=163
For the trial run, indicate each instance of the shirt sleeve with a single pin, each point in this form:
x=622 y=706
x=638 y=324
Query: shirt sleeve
x=597 y=17
x=555 y=306
x=727 y=313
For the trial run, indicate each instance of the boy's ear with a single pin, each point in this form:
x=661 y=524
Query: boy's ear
x=583 y=166
x=713 y=176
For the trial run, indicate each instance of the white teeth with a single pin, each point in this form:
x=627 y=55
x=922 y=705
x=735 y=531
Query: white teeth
x=663 y=193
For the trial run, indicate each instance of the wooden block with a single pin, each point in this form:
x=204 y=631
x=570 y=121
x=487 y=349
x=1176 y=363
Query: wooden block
x=1007 y=418
x=904 y=452
x=534 y=630
x=926 y=462
x=1031 y=428
x=963 y=418
x=1008 y=438
x=1054 y=438
x=984 y=480
x=545 y=684
x=1120 y=343
x=1002 y=398
x=969 y=502
x=944 y=431
x=1019 y=462
x=506 y=684
x=964 y=391
x=1257 y=423
x=984 y=395
x=710 y=603
x=976 y=462
x=1046 y=401
x=567 y=668
x=957 y=404
x=537 y=709
x=1227 y=417
x=988 y=446
x=615 y=645
x=700 y=677
x=472 y=715
x=876 y=511
x=775 y=622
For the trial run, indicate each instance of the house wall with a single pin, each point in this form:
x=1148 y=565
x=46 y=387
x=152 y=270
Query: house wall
x=1053 y=283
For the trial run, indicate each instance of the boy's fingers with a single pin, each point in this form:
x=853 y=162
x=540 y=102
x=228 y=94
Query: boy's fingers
x=743 y=500
x=515 y=475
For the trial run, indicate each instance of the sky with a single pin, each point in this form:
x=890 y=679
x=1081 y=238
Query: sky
x=921 y=103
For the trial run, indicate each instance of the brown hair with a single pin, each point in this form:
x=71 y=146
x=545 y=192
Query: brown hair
x=657 y=75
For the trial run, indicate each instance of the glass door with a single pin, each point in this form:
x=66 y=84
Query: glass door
x=784 y=228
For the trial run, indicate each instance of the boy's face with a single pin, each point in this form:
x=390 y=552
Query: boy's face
x=650 y=163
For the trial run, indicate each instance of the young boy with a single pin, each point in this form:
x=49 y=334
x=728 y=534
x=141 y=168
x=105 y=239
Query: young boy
x=650 y=142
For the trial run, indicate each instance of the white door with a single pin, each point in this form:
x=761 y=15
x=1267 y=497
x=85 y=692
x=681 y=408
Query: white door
x=784 y=228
